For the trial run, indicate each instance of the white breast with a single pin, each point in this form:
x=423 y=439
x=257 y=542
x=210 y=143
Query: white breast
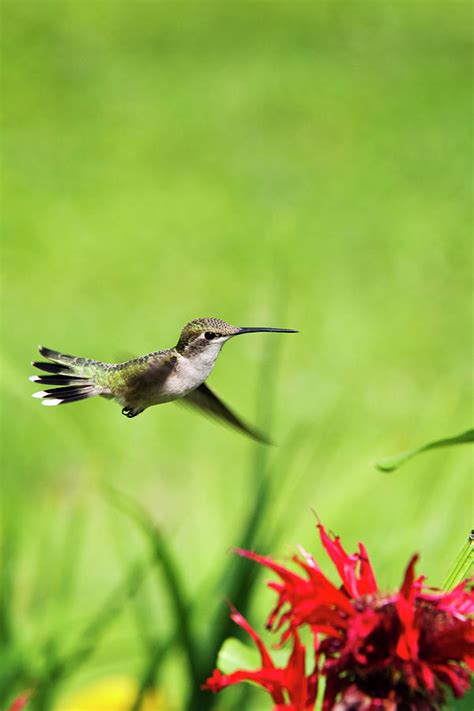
x=189 y=373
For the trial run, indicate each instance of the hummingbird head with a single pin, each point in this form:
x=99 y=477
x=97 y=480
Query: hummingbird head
x=210 y=334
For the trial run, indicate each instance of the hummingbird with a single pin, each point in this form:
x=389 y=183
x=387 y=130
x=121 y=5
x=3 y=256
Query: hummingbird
x=177 y=373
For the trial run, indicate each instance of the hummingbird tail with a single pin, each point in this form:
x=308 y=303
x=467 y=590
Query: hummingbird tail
x=75 y=376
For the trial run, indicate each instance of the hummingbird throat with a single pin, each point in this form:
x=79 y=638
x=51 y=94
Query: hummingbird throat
x=196 y=363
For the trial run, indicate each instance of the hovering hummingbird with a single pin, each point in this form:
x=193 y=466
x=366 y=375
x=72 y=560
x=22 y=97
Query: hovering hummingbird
x=174 y=374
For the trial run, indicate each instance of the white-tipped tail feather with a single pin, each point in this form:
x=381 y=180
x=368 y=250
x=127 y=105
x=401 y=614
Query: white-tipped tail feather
x=73 y=376
x=49 y=401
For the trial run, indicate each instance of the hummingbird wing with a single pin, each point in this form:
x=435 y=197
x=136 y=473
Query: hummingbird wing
x=137 y=378
x=204 y=399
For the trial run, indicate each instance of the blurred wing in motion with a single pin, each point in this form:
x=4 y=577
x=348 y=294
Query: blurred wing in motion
x=207 y=401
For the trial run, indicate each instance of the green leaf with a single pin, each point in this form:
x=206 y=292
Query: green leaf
x=466 y=703
x=389 y=464
x=234 y=655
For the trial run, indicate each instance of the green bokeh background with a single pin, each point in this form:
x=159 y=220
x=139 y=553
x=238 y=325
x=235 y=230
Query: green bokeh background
x=290 y=164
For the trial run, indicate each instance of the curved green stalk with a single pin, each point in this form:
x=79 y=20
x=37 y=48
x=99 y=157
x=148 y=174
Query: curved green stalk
x=389 y=464
x=170 y=572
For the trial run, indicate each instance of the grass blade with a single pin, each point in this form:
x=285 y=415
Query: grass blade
x=64 y=666
x=390 y=464
x=148 y=677
x=462 y=564
x=165 y=560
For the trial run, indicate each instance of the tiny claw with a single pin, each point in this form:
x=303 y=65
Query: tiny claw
x=130 y=412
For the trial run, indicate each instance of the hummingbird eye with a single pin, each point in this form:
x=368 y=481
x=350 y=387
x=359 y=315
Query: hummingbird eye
x=209 y=335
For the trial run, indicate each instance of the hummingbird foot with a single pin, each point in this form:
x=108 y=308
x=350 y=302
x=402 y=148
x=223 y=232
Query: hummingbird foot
x=130 y=412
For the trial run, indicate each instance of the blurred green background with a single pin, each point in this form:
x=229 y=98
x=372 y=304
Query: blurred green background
x=283 y=164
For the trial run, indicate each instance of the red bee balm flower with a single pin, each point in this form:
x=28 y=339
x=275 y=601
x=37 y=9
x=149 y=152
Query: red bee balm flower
x=288 y=684
x=376 y=651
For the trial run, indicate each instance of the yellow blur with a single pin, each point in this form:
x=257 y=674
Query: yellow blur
x=111 y=694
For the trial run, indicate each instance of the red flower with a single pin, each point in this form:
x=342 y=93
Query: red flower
x=384 y=652
x=20 y=702
x=289 y=687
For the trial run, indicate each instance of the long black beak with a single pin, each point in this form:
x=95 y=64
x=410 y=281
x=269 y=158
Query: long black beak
x=265 y=330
